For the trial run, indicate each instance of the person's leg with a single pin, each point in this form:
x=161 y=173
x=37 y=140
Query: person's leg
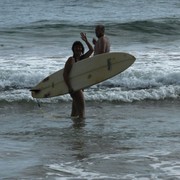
x=74 y=111
x=79 y=103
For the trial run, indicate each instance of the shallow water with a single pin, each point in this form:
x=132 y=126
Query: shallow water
x=118 y=141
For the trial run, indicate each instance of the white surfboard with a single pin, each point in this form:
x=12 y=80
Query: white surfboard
x=84 y=73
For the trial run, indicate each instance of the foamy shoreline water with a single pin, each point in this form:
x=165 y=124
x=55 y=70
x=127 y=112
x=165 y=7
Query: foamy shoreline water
x=129 y=140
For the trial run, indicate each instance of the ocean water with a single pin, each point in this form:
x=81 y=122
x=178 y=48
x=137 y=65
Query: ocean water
x=132 y=125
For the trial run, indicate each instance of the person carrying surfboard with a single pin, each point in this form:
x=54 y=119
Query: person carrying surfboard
x=78 y=103
x=102 y=45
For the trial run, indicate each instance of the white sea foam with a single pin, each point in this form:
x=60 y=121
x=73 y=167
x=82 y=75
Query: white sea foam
x=26 y=60
x=169 y=168
x=70 y=171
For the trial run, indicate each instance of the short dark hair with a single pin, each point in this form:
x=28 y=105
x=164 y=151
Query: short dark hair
x=78 y=43
x=100 y=26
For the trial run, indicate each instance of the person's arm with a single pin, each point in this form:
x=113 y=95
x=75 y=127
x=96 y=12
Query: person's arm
x=94 y=41
x=66 y=73
x=90 y=51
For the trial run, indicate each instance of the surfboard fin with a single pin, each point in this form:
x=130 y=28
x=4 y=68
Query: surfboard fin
x=35 y=90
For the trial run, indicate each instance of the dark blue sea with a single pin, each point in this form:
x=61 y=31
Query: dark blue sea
x=132 y=129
